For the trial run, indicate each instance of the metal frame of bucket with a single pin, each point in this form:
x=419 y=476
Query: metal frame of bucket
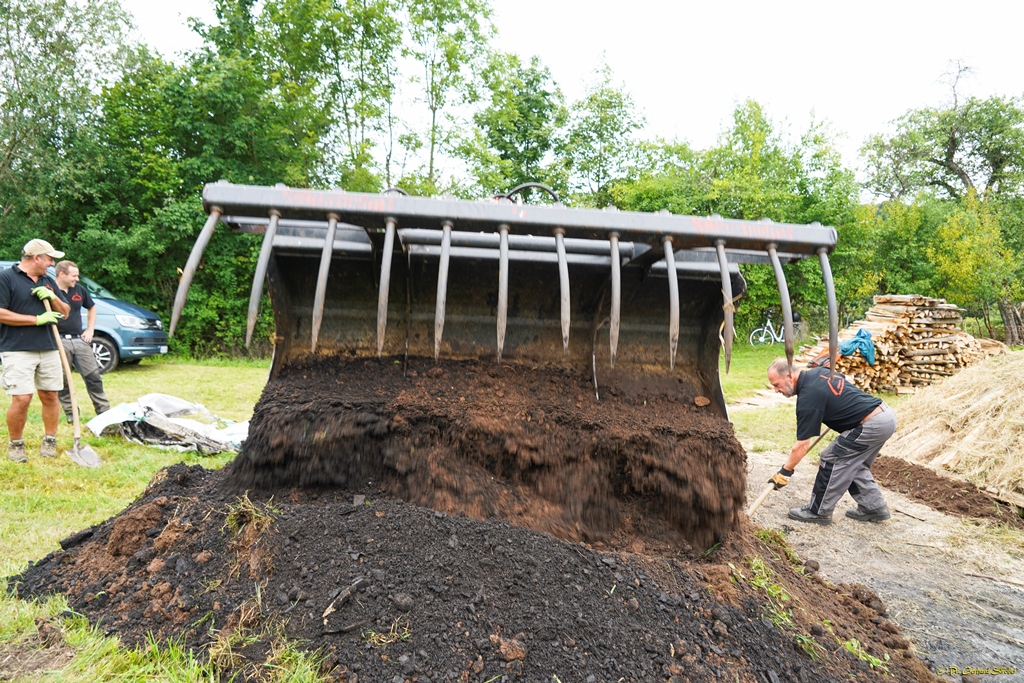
x=324 y=247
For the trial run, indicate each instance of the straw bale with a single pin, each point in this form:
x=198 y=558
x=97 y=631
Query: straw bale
x=970 y=426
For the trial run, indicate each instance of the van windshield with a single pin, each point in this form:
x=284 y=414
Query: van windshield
x=94 y=288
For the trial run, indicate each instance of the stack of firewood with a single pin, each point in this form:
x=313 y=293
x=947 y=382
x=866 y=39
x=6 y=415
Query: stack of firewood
x=918 y=341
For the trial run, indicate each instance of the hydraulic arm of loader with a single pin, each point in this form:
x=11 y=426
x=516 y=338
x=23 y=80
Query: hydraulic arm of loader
x=333 y=260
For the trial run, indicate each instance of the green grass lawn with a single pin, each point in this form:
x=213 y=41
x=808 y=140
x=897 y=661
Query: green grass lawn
x=44 y=501
x=747 y=370
x=761 y=429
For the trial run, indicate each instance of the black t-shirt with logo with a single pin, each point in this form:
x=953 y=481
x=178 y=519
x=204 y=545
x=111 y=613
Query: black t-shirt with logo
x=78 y=297
x=16 y=296
x=836 y=402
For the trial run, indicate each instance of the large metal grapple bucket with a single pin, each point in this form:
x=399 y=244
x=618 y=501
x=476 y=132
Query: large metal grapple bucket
x=638 y=304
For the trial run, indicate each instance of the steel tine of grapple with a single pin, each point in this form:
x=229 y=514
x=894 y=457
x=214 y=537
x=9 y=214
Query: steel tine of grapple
x=191 y=265
x=833 y=312
x=502 y=289
x=261 y=272
x=321 y=279
x=673 y=301
x=442 y=287
x=727 y=306
x=787 y=307
x=408 y=306
x=385 y=283
x=563 y=286
x=616 y=302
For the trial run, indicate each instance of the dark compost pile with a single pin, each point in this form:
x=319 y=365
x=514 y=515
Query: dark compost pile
x=471 y=524
x=388 y=591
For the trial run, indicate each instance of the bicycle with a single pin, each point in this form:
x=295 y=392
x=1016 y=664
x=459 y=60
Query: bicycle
x=768 y=334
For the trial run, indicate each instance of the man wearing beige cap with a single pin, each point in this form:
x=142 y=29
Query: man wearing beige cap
x=31 y=362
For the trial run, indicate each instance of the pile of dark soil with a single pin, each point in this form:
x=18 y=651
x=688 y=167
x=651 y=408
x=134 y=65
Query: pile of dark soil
x=530 y=445
x=944 y=494
x=515 y=529
x=388 y=591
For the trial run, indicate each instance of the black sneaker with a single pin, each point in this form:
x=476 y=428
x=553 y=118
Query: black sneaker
x=805 y=515
x=862 y=514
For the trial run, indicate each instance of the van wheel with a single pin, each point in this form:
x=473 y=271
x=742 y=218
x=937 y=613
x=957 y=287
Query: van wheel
x=107 y=355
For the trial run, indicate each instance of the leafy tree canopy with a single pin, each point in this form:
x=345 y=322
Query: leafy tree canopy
x=105 y=148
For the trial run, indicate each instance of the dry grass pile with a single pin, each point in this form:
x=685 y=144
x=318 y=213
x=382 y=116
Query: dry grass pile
x=970 y=426
x=918 y=341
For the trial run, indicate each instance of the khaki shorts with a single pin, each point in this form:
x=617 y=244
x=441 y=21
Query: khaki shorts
x=26 y=371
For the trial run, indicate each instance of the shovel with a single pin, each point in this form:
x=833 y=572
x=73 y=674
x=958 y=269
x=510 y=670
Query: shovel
x=771 y=487
x=83 y=454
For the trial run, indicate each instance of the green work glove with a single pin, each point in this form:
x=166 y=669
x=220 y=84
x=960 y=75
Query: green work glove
x=43 y=293
x=48 y=318
x=780 y=478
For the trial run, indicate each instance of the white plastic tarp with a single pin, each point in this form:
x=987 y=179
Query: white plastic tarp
x=159 y=420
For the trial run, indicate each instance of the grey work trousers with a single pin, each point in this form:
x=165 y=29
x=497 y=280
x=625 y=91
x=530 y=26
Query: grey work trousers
x=845 y=465
x=81 y=357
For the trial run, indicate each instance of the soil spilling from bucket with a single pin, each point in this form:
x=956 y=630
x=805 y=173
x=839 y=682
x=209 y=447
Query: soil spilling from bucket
x=529 y=445
x=387 y=591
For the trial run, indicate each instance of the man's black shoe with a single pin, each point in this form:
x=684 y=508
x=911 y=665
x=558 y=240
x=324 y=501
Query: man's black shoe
x=805 y=515
x=862 y=514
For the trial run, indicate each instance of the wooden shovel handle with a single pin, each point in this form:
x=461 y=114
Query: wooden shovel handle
x=771 y=487
x=760 y=499
x=67 y=371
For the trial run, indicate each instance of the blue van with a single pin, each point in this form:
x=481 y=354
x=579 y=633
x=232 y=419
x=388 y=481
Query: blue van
x=125 y=333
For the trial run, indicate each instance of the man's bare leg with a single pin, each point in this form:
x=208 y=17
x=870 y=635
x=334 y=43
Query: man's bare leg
x=51 y=411
x=17 y=415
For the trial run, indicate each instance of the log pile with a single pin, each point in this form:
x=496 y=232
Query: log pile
x=918 y=341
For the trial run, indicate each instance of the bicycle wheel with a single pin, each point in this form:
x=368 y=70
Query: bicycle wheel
x=762 y=336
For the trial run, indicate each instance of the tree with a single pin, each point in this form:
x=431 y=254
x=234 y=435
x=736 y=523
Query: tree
x=753 y=172
x=448 y=36
x=54 y=57
x=237 y=110
x=599 y=146
x=967 y=152
x=972 y=263
x=235 y=30
x=975 y=145
x=897 y=235
x=667 y=176
x=516 y=132
x=363 y=46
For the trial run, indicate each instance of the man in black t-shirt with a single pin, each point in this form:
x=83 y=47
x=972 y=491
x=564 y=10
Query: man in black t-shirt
x=29 y=351
x=78 y=341
x=863 y=422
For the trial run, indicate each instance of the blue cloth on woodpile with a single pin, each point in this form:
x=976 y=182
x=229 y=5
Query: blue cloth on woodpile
x=861 y=342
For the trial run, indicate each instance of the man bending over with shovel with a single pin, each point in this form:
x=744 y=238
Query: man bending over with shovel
x=29 y=350
x=863 y=422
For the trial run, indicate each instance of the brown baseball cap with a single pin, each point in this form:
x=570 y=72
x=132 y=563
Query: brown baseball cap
x=40 y=247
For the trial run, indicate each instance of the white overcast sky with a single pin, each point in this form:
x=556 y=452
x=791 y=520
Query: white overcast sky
x=687 y=64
